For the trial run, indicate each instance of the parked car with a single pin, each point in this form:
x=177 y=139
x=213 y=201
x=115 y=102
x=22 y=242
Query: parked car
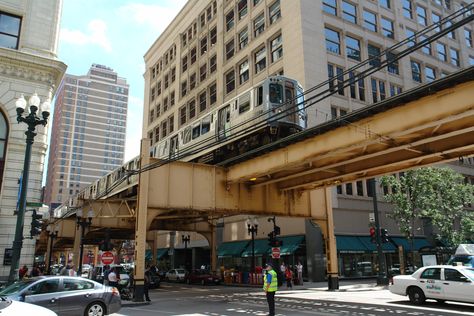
x=441 y=283
x=66 y=295
x=463 y=256
x=202 y=277
x=9 y=307
x=175 y=275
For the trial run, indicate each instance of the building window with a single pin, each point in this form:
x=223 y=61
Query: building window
x=374 y=55
x=435 y=18
x=259 y=25
x=349 y=12
x=410 y=34
x=184 y=64
x=212 y=94
x=392 y=66
x=213 y=64
x=471 y=60
x=230 y=81
x=203 y=72
x=192 y=109
x=229 y=49
x=333 y=41
x=352 y=48
x=152 y=115
x=193 y=55
x=229 y=20
x=213 y=36
x=338 y=72
x=454 y=57
x=202 y=18
x=387 y=28
x=330 y=6
x=441 y=48
x=378 y=90
x=164 y=129
x=370 y=21
x=203 y=45
x=184 y=88
x=452 y=34
x=9 y=30
x=430 y=74
x=158 y=88
x=349 y=188
x=274 y=11
x=421 y=16
x=385 y=3
x=277 y=48
x=468 y=37
x=243 y=38
x=166 y=81
x=426 y=48
x=242 y=8
x=171 y=98
x=171 y=123
x=165 y=104
x=394 y=89
x=244 y=72
x=202 y=101
x=192 y=81
x=260 y=59
x=416 y=71
x=255 y=2
x=182 y=115
x=407 y=9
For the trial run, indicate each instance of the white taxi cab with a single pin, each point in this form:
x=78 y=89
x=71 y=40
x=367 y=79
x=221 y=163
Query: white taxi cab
x=441 y=283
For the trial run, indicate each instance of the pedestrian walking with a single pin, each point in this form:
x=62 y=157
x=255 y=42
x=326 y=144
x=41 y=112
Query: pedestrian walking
x=270 y=286
x=299 y=269
x=147 y=284
x=23 y=272
x=289 y=277
x=113 y=277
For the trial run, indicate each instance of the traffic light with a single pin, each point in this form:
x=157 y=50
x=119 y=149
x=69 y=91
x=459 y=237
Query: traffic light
x=271 y=238
x=276 y=229
x=373 y=238
x=384 y=235
x=35 y=224
x=277 y=243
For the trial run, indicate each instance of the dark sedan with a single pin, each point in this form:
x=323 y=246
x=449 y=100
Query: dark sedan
x=66 y=295
x=202 y=277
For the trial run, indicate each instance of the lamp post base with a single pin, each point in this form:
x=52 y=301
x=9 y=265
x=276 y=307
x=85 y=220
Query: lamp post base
x=333 y=282
x=139 y=292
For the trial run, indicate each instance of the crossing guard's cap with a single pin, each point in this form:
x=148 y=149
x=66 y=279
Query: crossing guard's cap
x=269 y=265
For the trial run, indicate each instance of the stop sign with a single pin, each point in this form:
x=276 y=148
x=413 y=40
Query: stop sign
x=276 y=252
x=107 y=257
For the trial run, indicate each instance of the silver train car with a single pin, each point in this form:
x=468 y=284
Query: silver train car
x=245 y=122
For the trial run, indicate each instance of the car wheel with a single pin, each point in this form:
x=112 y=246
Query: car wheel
x=416 y=295
x=95 y=309
x=203 y=282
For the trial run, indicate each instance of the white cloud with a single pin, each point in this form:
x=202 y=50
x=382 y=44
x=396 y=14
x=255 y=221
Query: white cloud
x=134 y=127
x=155 y=16
x=96 y=35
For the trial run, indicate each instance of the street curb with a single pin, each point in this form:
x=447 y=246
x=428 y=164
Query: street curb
x=133 y=304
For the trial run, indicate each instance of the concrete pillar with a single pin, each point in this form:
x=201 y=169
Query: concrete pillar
x=154 y=250
x=76 y=248
x=141 y=222
x=213 y=246
x=47 y=256
x=331 y=248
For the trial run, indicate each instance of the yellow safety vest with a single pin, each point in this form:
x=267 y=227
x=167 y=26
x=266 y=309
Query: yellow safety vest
x=274 y=283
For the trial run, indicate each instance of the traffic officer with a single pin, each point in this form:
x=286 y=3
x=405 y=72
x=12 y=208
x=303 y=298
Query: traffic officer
x=270 y=286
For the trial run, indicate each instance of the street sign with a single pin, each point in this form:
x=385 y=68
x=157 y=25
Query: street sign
x=107 y=257
x=34 y=204
x=276 y=252
x=7 y=257
x=371 y=217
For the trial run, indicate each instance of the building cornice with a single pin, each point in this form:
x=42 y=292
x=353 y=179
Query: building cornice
x=23 y=66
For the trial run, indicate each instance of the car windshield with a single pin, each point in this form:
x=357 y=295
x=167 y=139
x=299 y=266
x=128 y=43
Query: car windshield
x=469 y=273
x=180 y=271
x=16 y=287
x=462 y=259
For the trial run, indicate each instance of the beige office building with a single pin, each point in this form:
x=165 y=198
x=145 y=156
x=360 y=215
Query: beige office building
x=88 y=132
x=214 y=50
x=29 y=34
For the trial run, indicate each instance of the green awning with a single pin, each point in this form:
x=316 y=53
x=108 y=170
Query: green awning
x=161 y=252
x=350 y=244
x=290 y=244
x=417 y=243
x=371 y=247
x=261 y=248
x=232 y=248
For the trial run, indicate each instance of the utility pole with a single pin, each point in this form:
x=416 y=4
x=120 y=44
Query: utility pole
x=381 y=275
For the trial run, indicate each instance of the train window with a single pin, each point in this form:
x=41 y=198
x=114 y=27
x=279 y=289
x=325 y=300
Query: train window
x=186 y=136
x=276 y=93
x=196 y=130
x=259 y=96
x=206 y=125
x=244 y=103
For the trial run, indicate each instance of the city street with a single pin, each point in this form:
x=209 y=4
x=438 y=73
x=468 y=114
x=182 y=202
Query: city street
x=195 y=300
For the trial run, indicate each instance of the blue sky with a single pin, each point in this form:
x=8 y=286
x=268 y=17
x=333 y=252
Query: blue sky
x=115 y=33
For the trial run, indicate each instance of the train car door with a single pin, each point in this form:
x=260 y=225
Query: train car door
x=174 y=146
x=223 y=123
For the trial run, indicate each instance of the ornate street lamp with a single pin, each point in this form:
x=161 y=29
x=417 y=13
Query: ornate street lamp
x=252 y=229
x=83 y=223
x=31 y=119
x=185 y=239
x=52 y=233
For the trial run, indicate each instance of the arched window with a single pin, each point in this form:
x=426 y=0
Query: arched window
x=3 y=144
